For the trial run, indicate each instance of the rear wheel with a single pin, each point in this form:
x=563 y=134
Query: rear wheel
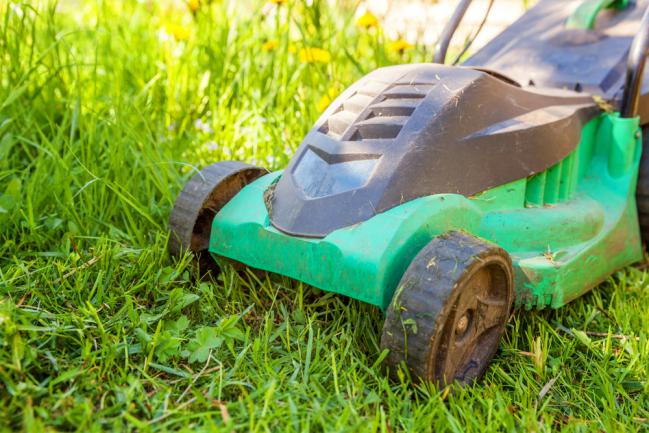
x=450 y=309
x=190 y=223
x=642 y=190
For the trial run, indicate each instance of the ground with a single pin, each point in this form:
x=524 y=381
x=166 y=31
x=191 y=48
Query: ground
x=106 y=109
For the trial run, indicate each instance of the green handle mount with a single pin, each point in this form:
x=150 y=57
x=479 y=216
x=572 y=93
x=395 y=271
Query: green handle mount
x=584 y=16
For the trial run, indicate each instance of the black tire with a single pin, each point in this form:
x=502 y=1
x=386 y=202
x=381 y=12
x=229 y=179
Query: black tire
x=190 y=222
x=450 y=309
x=642 y=190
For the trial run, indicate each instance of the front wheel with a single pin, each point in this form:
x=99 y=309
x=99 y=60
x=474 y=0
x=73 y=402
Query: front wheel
x=450 y=309
x=190 y=222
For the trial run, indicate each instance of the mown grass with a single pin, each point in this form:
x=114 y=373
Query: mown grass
x=103 y=117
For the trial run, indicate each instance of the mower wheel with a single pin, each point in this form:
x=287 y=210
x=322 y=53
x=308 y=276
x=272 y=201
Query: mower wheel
x=202 y=197
x=450 y=309
x=642 y=190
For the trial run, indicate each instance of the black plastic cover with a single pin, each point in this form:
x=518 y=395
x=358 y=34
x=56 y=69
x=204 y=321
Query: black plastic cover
x=538 y=50
x=409 y=131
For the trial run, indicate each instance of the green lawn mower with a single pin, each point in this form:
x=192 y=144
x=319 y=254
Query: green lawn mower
x=447 y=195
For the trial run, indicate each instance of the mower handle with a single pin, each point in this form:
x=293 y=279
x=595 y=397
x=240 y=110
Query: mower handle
x=635 y=69
x=635 y=62
x=448 y=31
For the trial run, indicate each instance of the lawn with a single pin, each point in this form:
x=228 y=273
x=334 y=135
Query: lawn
x=106 y=109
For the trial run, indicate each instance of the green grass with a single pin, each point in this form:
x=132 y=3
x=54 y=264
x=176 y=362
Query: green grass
x=103 y=117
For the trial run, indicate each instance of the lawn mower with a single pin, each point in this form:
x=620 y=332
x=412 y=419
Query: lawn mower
x=448 y=195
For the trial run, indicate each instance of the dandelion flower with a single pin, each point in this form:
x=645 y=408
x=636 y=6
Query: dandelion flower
x=179 y=32
x=314 y=55
x=326 y=100
x=367 y=20
x=399 y=45
x=194 y=5
x=278 y=2
x=323 y=103
x=270 y=45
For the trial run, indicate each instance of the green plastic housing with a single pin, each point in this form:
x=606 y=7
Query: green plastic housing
x=566 y=229
x=586 y=13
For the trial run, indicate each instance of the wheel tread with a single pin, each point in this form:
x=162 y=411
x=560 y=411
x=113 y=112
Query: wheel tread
x=423 y=291
x=204 y=195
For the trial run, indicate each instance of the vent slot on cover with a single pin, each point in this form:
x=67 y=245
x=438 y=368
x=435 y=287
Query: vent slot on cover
x=383 y=119
x=386 y=117
x=342 y=119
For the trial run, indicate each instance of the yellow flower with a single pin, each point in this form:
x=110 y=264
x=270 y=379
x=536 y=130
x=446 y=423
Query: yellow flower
x=314 y=55
x=291 y=48
x=326 y=100
x=278 y=2
x=399 y=45
x=367 y=20
x=194 y=5
x=179 y=32
x=270 y=45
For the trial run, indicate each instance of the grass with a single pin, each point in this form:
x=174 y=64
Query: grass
x=106 y=109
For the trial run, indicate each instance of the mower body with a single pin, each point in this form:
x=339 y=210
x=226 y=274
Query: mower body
x=412 y=152
x=446 y=195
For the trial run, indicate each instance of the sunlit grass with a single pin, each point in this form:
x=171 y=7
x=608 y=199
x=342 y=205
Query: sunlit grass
x=106 y=109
